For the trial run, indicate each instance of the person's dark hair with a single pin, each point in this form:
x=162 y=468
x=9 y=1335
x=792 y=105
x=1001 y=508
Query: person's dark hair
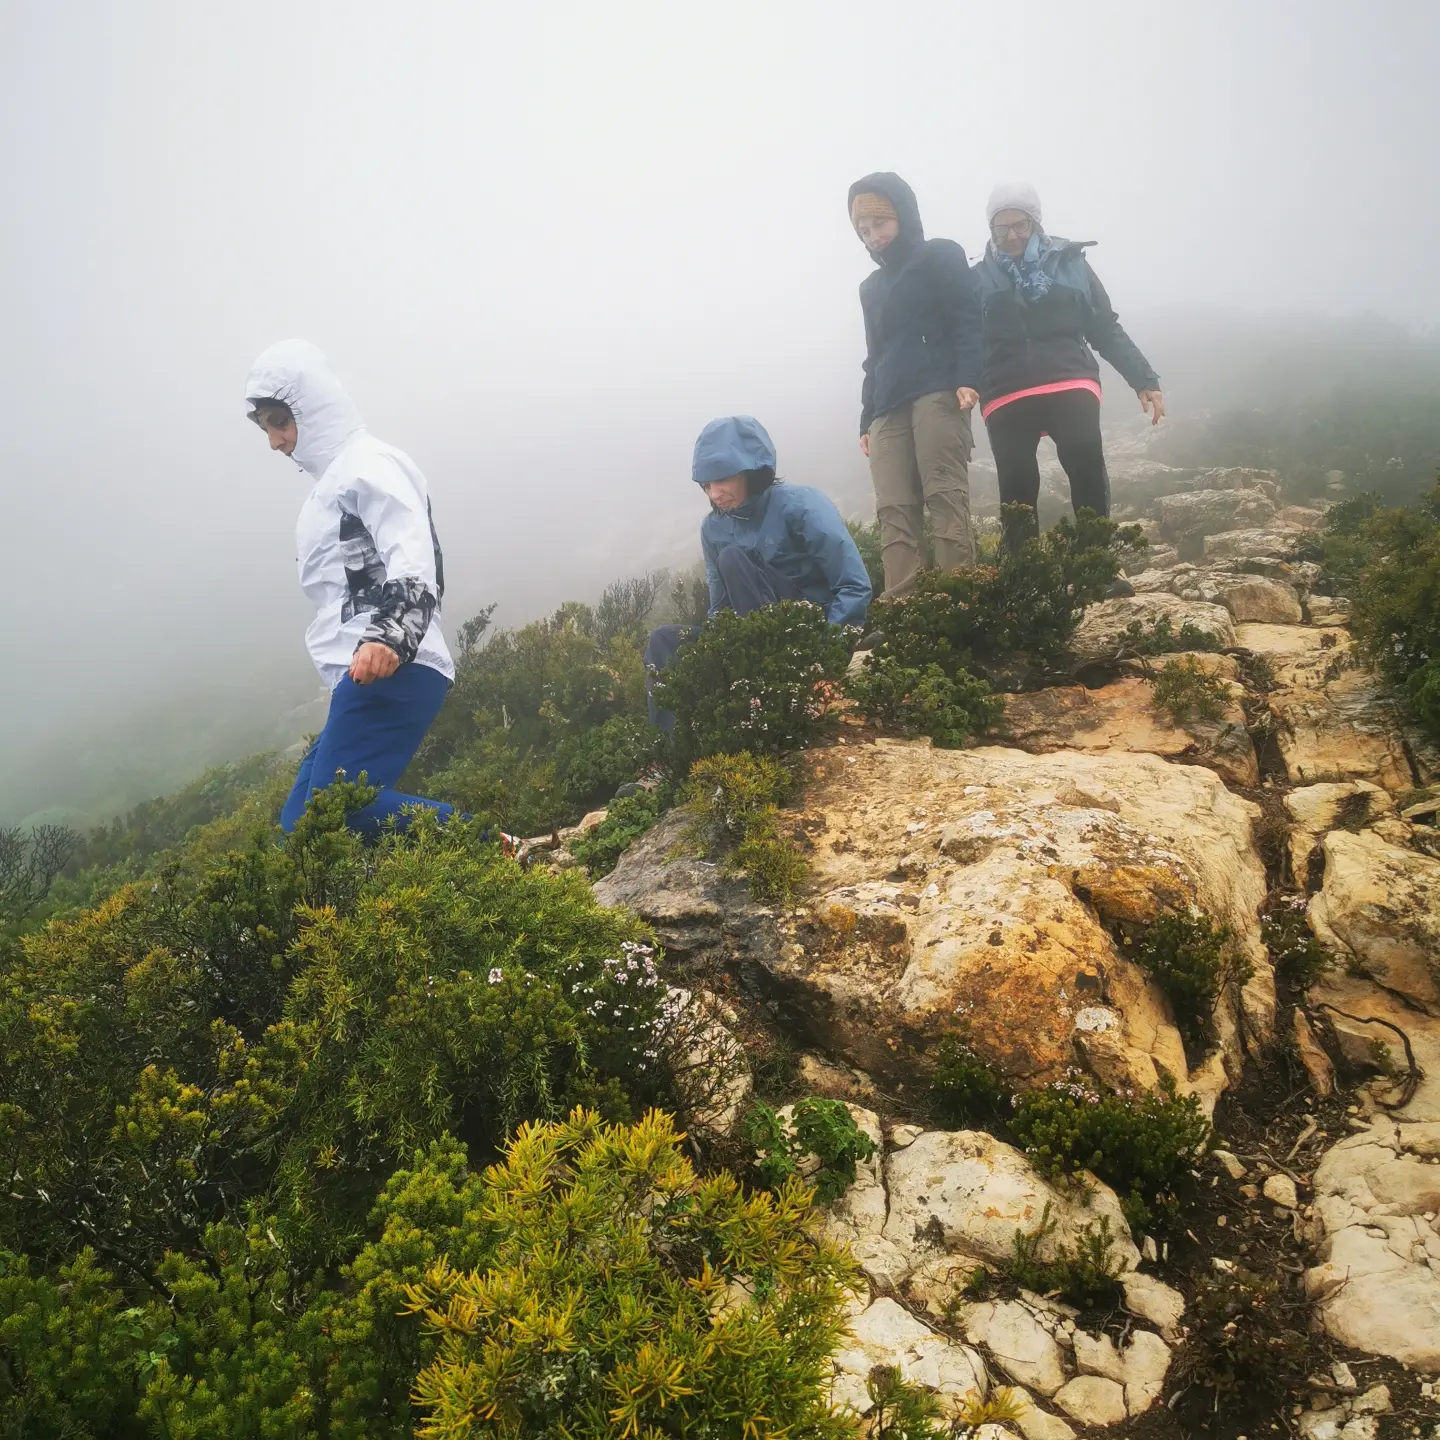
x=758 y=481
x=267 y=409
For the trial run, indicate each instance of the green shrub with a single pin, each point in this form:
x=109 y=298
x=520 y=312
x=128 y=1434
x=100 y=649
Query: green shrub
x=1085 y=1275
x=545 y=721
x=823 y=1128
x=1192 y=961
x=626 y=820
x=618 y=1294
x=964 y=1090
x=1021 y=611
x=290 y=1022
x=1299 y=958
x=591 y=764
x=1162 y=638
x=1142 y=1146
x=1187 y=692
x=1395 y=617
x=1248 y=1345
x=907 y=701
x=758 y=683
x=901 y=1410
x=734 y=804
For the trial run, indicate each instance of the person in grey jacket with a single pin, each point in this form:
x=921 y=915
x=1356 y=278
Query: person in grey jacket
x=1045 y=316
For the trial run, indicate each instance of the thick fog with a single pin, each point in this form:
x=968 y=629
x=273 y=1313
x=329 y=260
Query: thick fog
x=544 y=244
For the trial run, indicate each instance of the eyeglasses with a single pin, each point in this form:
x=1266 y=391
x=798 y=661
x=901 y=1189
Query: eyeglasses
x=1018 y=228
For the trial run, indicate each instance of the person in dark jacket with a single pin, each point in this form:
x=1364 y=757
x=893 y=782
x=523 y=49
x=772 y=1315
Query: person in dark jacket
x=922 y=375
x=763 y=541
x=1046 y=314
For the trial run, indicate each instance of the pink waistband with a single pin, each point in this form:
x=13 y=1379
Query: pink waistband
x=1093 y=386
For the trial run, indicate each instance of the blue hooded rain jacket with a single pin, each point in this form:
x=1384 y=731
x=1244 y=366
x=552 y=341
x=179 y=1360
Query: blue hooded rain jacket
x=793 y=528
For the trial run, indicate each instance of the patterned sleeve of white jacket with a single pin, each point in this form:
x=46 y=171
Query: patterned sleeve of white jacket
x=397 y=515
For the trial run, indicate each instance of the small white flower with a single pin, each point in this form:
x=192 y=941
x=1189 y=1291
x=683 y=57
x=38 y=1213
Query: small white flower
x=496 y=975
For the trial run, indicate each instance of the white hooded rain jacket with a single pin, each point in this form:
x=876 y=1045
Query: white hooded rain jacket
x=368 y=555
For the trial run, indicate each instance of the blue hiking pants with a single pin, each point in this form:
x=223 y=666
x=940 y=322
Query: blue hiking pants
x=750 y=583
x=372 y=729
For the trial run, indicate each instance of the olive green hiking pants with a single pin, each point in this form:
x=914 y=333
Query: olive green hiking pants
x=919 y=461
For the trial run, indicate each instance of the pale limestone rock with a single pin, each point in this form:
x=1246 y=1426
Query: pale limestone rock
x=1315 y=810
x=1140 y=1368
x=1100 y=632
x=1374 y=1046
x=1332 y=719
x=1318 y=1065
x=938 y=1282
x=994 y=1432
x=1280 y=1189
x=1037 y=1424
x=1384 y=904
x=1328 y=609
x=1240 y=477
x=1207 y=512
x=1274 y=544
x=1155 y=1301
x=835 y=1082
x=1232 y=1164
x=1017 y=1342
x=1027 y=855
x=1377 y=1287
x=1300 y=515
x=1097 y=1355
x=964 y=1191
x=1256 y=599
x=1122 y=717
x=1093 y=1400
x=984 y=912
x=903 y=1135
x=857 y=1218
x=885 y=1333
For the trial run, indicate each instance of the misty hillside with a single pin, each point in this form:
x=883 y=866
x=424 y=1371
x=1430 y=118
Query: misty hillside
x=1302 y=396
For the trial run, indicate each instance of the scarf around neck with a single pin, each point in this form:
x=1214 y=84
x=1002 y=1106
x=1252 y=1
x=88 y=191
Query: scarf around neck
x=1026 y=272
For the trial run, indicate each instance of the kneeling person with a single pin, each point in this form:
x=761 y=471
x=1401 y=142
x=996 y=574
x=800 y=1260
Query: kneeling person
x=370 y=562
x=763 y=541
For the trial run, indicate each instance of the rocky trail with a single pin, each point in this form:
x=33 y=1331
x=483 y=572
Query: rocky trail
x=981 y=891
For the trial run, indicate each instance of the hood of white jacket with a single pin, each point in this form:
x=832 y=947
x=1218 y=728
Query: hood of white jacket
x=326 y=418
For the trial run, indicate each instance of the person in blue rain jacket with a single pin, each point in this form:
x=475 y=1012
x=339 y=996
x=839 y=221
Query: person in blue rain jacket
x=763 y=540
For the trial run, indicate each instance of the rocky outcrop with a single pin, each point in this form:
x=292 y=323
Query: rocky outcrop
x=1101 y=634
x=1272 y=544
x=1332 y=719
x=976 y=891
x=922 y=1218
x=1315 y=810
x=1383 y=904
x=1377 y=1285
x=1195 y=513
x=971 y=889
x=1121 y=717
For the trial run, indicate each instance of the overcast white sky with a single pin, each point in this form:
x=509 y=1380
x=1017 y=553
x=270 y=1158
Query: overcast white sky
x=543 y=244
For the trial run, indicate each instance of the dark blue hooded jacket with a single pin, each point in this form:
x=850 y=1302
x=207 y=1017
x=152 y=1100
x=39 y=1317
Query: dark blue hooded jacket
x=793 y=528
x=1039 y=342
x=922 y=316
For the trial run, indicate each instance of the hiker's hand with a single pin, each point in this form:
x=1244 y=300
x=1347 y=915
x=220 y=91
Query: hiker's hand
x=967 y=397
x=373 y=661
x=1152 y=402
x=865 y=445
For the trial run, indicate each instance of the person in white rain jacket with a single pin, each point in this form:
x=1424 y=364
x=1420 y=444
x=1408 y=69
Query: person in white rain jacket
x=370 y=562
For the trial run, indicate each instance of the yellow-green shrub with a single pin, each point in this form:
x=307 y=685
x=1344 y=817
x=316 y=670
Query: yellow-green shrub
x=620 y=1294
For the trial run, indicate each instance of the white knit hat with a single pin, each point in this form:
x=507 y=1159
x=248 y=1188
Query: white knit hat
x=1013 y=195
